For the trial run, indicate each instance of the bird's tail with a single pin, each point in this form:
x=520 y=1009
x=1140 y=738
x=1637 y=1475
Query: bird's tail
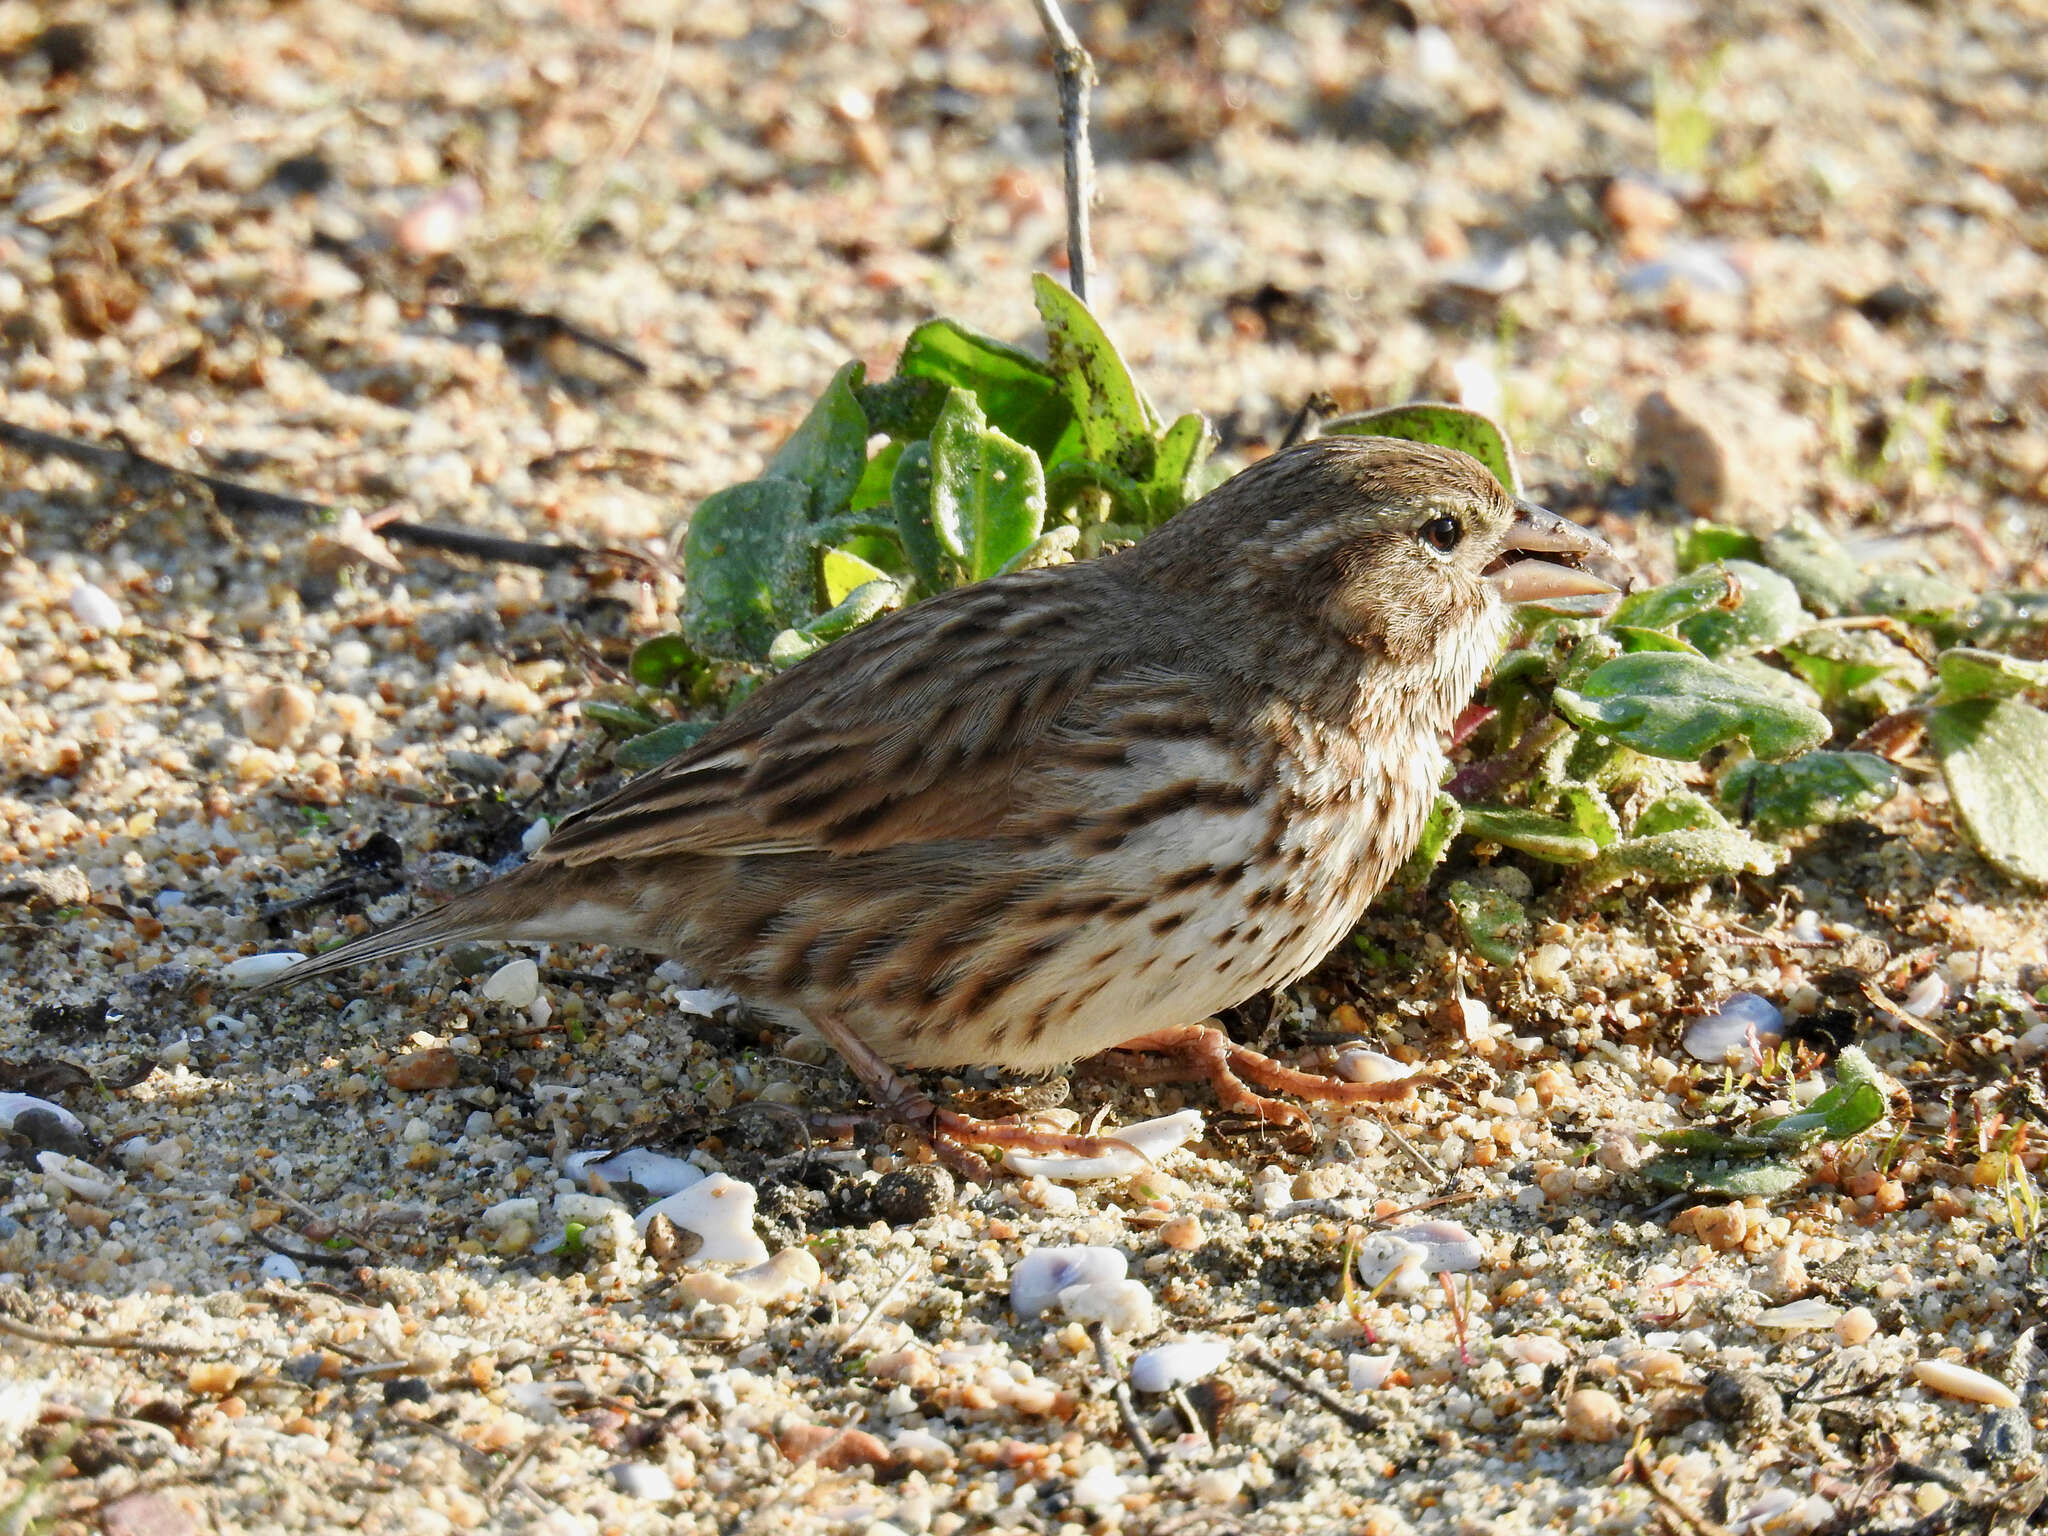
x=501 y=909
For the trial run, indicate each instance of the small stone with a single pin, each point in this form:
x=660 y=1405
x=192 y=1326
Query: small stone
x=642 y=1480
x=1798 y=1315
x=94 y=609
x=212 y=1378
x=1121 y=1306
x=417 y=1071
x=1592 y=1416
x=1743 y=1026
x=253 y=970
x=281 y=1267
x=657 y=1173
x=720 y=1211
x=833 y=1450
x=1042 y=1274
x=1954 y=1380
x=1742 y=1400
x=910 y=1195
x=1184 y=1234
x=1641 y=212
x=1855 y=1326
x=515 y=984
x=2007 y=1435
x=277 y=715
x=1368 y=1373
x=1166 y=1366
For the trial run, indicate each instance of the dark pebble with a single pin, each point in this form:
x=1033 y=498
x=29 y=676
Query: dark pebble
x=911 y=1195
x=1744 y=1401
x=2007 y=1436
x=407 y=1389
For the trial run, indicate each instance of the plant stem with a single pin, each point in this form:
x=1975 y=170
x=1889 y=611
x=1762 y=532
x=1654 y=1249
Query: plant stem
x=1075 y=72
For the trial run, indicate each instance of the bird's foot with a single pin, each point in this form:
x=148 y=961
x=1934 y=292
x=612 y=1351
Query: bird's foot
x=1204 y=1050
x=954 y=1138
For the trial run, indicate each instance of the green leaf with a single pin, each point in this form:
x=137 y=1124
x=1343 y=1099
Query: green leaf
x=1067 y=479
x=1021 y=395
x=1495 y=924
x=1992 y=618
x=1706 y=543
x=988 y=492
x=906 y=406
x=1766 y=611
x=1676 y=706
x=829 y=451
x=1053 y=547
x=869 y=600
x=1909 y=592
x=658 y=746
x=1973 y=674
x=910 y=493
x=747 y=567
x=1828 y=577
x=617 y=715
x=1810 y=790
x=1119 y=427
x=843 y=571
x=1994 y=753
x=1586 y=811
x=1634 y=639
x=1679 y=811
x=1528 y=832
x=659 y=662
x=1177 y=473
x=878 y=477
x=1448 y=426
x=1670 y=605
x=1854 y=1104
x=1854 y=666
x=1765 y=1176
x=1682 y=857
x=1446 y=816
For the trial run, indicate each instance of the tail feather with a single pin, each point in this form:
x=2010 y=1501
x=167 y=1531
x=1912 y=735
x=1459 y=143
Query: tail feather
x=505 y=908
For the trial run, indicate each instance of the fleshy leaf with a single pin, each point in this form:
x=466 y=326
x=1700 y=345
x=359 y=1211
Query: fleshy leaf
x=1528 y=832
x=1858 y=666
x=1495 y=924
x=1679 y=811
x=659 y=745
x=1446 y=816
x=864 y=602
x=1670 y=605
x=1973 y=674
x=1017 y=392
x=1828 y=577
x=988 y=492
x=843 y=571
x=1812 y=789
x=747 y=567
x=1762 y=1176
x=1766 y=611
x=906 y=406
x=1176 y=474
x=828 y=452
x=661 y=661
x=1994 y=753
x=1679 y=858
x=1586 y=811
x=1909 y=592
x=1448 y=426
x=1119 y=427
x=1705 y=543
x=910 y=493
x=1677 y=706
x=1634 y=639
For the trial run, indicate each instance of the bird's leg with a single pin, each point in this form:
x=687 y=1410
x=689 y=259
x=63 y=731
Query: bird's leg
x=1207 y=1051
x=953 y=1136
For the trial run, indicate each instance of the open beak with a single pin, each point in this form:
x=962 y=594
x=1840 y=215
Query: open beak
x=1538 y=561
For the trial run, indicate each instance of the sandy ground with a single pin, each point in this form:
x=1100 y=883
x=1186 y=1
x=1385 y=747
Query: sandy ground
x=234 y=238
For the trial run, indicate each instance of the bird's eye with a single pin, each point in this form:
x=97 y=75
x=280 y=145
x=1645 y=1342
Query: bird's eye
x=1441 y=533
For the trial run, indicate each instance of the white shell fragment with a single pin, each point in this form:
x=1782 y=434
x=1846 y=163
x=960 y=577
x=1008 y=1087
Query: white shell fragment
x=1795 y=1315
x=1445 y=1244
x=1925 y=998
x=254 y=970
x=656 y=1172
x=91 y=606
x=1037 y=1279
x=1388 y=1264
x=1359 y=1065
x=1121 y=1306
x=720 y=1210
x=1743 y=1024
x=70 y=1176
x=282 y=1267
x=1368 y=1373
x=13 y=1106
x=1954 y=1380
x=702 y=1002
x=515 y=984
x=1152 y=1138
x=1166 y=1366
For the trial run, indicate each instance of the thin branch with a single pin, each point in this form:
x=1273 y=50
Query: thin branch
x=1075 y=72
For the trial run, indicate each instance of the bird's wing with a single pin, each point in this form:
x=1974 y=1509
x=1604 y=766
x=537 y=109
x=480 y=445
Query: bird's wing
x=915 y=729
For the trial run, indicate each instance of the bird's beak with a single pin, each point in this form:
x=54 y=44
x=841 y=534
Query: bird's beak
x=1521 y=573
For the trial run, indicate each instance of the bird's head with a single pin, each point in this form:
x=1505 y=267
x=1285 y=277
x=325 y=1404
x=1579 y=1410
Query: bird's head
x=1405 y=550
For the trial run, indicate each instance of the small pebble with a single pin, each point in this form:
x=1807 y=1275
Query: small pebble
x=277 y=715
x=1743 y=1400
x=74 y=1177
x=253 y=970
x=1150 y=1140
x=656 y=1172
x=1121 y=1306
x=281 y=1267
x=1166 y=1366
x=1183 y=1234
x=437 y=1067
x=1796 y=1315
x=1038 y=1278
x=910 y=1195
x=1855 y=1326
x=642 y=1480
x=94 y=609
x=2006 y=1436
x=1954 y=1380
x=515 y=984
x=1592 y=1416
x=1368 y=1373
x=1926 y=996
x=1359 y=1065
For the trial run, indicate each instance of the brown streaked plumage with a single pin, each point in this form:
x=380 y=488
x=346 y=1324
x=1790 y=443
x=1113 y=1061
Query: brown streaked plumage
x=1069 y=809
